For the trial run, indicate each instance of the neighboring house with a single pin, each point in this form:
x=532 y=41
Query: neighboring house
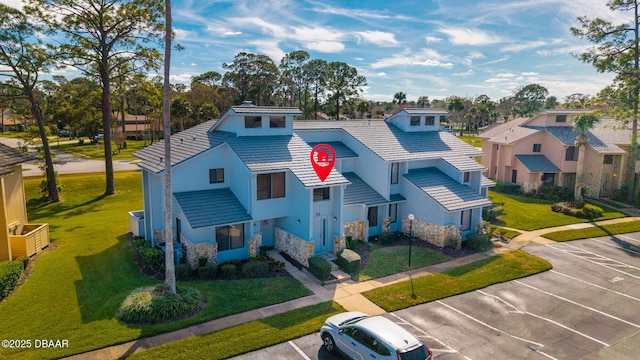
x=541 y=151
x=135 y=126
x=18 y=238
x=247 y=181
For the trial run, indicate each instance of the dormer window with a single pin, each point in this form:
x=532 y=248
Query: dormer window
x=415 y=121
x=430 y=120
x=465 y=177
x=561 y=118
x=276 y=122
x=252 y=122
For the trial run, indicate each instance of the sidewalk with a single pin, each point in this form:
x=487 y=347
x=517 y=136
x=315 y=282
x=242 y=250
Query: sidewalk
x=347 y=294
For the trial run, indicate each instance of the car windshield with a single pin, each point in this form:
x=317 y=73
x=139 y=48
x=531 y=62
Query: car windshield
x=419 y=353
x=352 y=321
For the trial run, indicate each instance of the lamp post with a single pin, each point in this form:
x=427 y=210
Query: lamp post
x=411 y=218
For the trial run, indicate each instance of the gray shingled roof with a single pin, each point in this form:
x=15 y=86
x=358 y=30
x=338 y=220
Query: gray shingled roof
x=422 y=111
x=184 y=145
x=463 y=163
x=342 y=150
x=211 y=207
x=496 y=131
x=447 y=192
x=253 y=109
x=279 y=153
x=10 y=156
x=486 y=182
x=392 y=144
x=359 y=192
x=537 y=163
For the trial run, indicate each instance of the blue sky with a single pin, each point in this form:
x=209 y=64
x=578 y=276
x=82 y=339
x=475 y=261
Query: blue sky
x=421 y=47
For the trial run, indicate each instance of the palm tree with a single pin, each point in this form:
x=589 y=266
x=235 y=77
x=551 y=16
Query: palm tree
x=582 y=123
x=400 y=98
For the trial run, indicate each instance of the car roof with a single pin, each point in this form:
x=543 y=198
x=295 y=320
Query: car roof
x=388 y=331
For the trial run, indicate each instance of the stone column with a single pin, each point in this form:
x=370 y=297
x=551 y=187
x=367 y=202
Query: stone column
x=386 y=224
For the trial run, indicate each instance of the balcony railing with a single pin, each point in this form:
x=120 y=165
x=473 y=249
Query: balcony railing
x=34 y=237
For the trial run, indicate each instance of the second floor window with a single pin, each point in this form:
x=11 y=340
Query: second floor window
x=271 y=186
x=415 y=121
x=276 y=122
x=320 y=194
x=608 y=159
x=561 y=118
x=429 y=120
x=537 y=147
x=252 y=122
x=571 y=154
x=466 y=177
x=216 y=176
x=394 y=172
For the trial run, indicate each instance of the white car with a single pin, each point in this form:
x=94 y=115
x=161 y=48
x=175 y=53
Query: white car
x=360 y=336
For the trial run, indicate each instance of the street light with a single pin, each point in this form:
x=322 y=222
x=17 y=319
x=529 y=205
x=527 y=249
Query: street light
x=411 y=218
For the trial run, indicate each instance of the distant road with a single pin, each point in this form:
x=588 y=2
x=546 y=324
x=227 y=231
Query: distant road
x=69 y=164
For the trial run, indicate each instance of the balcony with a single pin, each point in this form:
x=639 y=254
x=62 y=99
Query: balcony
x=29 y=239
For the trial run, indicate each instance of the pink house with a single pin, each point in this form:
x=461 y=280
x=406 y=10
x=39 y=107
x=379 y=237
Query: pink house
x=541 y=151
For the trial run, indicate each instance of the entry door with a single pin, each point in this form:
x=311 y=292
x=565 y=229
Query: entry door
x=321 y=235
x=268 y=233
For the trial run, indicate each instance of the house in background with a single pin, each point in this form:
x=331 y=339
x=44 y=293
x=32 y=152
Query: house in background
x=18 y=238
x=136 y=127
x=541 y=151
x=247 y=181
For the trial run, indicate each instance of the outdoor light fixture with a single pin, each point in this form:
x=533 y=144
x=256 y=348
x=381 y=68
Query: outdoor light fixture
x=298 y=221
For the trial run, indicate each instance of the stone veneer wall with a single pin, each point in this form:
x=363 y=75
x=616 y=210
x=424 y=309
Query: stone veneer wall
x=254 y=244
x=438 y=235
x=158 y=237
x=339 y=243
x=356 y=229
x=294 y=246
x=194 y=251
x=386 y=224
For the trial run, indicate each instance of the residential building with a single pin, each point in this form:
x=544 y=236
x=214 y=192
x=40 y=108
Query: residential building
x=541 y=150
x=18 y=238
x=247 y=181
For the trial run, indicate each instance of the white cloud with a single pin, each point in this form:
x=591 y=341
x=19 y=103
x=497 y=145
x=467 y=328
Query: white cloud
x=465 y=36
x=222 y=31
x=432 y=39
x=184 y=34
x=184 y=78
x=377 y=38
x=325 y=46
x=427 y=57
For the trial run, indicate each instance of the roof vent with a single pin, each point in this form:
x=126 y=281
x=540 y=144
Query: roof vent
x=247 y=103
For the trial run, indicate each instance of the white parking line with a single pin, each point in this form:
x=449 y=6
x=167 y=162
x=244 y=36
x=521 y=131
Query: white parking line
x=593 y=256
x=628 y=238
x=518 y=311
x=578 y=304
x=616 y=246
x=448 y=349
x=595 y=285
x=296 y=348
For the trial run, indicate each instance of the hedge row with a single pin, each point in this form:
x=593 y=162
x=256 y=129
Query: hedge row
x=10 y=272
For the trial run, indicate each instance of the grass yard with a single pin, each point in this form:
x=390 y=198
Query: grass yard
x=471 y=139
x=88 y=150
x=530 y=214
x=389 y=260
x=596 y=231
x=477 y=275
x=232 y=341
x=76 y=288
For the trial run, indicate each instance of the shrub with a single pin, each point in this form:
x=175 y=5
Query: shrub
x=478 y=242
x=348 y=242
x=255 y=268
x=554 y=193
x=153 y=305
x=492 y=213
x=262 y=250
x=10 y=272
x=275 y=266
x=589 y=212
x=228 y=271
x=184 y=272
x=25 y=261
x=207 y=272
x=563 y=207
x=349 y=261
x=153 y=259
x=202 y=261
x=320 y=267
x=506 y=188
x=387 y=238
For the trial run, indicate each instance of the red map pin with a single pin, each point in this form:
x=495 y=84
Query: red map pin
x=322 y=158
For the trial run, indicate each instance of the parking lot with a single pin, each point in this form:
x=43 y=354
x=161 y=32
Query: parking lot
x=586 y=307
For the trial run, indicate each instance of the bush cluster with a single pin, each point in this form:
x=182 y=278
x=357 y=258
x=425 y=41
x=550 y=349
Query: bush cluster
x=387 y=238
x=507 y=188
x=349 y=261
x=478 y=242
x=588 y=211
x=257 y=267
x=553 y=193
x=154 y=305
x=184 y=272
x=491 y=214
x=10 y=272
x=228 y=271
x=320 y=268
x=151 y=258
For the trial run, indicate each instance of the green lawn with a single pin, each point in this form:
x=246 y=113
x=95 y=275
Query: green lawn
x=596 y=231
x=89 y=150
x=530 y=214
x=233 y=341
x=389 y=260
x=75 y=289
x=477 y=275
x=471 y=139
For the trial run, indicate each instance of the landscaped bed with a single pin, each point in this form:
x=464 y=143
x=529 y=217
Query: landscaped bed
x=74 y=290
x=477 y=275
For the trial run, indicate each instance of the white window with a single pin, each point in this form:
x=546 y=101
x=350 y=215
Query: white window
x=465 y=220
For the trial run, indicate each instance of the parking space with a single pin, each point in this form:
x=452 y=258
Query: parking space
x=588 y=306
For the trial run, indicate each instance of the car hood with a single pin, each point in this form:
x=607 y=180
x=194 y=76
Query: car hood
x=338 y=319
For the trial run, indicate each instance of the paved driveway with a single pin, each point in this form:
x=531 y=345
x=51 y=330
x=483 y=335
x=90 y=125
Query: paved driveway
x=587 y=307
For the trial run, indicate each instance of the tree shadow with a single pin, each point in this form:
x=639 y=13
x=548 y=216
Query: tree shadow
x=633 y=250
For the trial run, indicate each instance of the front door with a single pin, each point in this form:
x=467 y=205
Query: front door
x=268 y=233
x=321 y=235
